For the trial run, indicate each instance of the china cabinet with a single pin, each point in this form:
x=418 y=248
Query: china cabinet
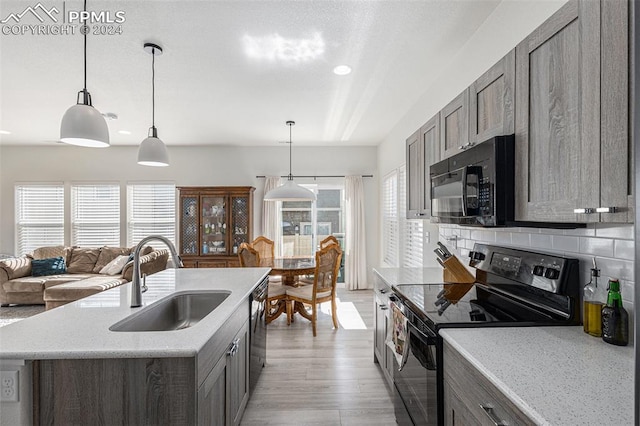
x=213 y=222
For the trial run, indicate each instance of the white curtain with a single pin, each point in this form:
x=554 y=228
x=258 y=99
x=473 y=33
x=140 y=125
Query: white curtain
x=271 y=214
x=355 y=265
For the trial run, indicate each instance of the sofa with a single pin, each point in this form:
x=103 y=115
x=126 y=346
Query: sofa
x=21 y=281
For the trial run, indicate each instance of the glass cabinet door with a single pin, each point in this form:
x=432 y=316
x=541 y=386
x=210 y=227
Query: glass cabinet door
x=239 y=222
x=213 y=225
x=189 y=228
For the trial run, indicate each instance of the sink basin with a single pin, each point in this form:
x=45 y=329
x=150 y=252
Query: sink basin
x=176 y=312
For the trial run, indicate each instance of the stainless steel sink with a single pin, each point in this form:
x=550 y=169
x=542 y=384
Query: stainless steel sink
x=177 y=312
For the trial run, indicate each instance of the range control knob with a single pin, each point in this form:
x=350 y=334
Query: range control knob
x=538 y=270
x=551 y=273
x=478 y=256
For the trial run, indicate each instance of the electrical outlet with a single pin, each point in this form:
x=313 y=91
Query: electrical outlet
x=9 y=386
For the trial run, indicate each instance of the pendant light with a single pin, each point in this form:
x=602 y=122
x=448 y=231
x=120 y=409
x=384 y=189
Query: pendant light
x=82 y=124
x=152 y=151
x=290 y=191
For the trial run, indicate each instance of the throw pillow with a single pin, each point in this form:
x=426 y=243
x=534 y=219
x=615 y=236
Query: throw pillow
x=115 y=266
x=107 y=254
x=51 y=266
x=83 y=260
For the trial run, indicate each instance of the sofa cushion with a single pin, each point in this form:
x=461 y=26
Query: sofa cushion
x=50 y=266
x=25 y=285
x=78 y=290
x=53 y=280
x=16 y=267
x=83 y=260
x=52 y=251
x=107 y=254
x=115 y=266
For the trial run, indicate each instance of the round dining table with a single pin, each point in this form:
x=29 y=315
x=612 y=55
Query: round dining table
x=290 y=267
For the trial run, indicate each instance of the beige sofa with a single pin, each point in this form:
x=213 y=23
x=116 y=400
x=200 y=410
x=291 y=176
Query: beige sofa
x=82 y=277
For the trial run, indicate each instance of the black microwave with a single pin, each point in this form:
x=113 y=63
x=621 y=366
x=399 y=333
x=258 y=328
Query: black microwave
x=475 y=186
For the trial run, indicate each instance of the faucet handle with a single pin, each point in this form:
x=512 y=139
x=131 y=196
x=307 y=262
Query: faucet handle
x=144 y=283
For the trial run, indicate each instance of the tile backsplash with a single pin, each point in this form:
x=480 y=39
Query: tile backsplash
x=611 y=245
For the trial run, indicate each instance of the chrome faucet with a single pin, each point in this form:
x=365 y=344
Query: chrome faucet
x=136 y=289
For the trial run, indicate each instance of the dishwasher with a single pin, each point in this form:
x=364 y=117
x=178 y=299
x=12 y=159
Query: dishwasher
x=257 y=333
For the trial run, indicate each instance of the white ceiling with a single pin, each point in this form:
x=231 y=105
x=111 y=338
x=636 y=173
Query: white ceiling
x=209 y=91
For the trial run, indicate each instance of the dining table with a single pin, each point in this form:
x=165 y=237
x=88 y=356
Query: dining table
x=290 y=268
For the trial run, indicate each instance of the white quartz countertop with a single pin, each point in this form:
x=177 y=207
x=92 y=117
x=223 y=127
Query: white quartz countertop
x=555 y=375
x=81 y=329
x=395 y=276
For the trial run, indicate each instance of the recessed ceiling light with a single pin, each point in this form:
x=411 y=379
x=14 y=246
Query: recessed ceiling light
x=124 y=132
x=5 y=132
x=342 y=70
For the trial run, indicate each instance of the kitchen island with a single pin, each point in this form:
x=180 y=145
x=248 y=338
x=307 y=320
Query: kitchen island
x=69 y=357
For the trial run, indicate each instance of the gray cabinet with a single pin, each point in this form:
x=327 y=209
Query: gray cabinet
x=491 y=101
x=454 y=125
x=382 y=322
x=470 y=398
x=223 y=395
x=415 y=175
x=571 y=129
x=423 y=149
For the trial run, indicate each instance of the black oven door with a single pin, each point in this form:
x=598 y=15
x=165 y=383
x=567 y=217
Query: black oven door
x=455 y=195
x=416 y=381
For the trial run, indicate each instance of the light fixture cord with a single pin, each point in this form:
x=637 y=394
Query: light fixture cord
x=153 y=87
x=85 y=49
x=290 y=143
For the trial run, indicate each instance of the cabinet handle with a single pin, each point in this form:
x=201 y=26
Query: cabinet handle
x=419 y=214
x=233 y=349
x=490 y=412
x=607 y=210
x=383 y=307
x=587 y=210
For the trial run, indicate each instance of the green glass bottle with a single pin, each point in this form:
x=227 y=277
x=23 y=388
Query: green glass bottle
x=615 y=320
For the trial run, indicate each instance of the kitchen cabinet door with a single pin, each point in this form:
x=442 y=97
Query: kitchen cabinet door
x=212 y=396
x=454 y=125
x=491 y=101
x=238 y=375
x=616 y=151
x=558 y=116
x=415 y=173
x=423 y=149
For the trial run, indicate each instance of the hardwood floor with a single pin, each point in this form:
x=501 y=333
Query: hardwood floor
x=327 y=380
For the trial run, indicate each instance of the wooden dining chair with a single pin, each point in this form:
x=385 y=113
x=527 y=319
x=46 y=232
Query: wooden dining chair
x=265 y=248
x=307 y=280
x=276 y=293
x=328 y=241
x=323 y=288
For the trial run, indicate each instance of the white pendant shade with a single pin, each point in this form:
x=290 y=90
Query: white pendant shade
x=290 y=191
x=152 y=152
x=83 y=125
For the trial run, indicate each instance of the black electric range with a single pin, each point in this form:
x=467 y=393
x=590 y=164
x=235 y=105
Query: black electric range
x=512 y=288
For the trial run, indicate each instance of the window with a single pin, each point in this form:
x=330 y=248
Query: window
x=151 y=210
x=390 y=232
x=306 y=223
x=95 y=215
x=39 y=216
x=402 y=237
x=410 y=229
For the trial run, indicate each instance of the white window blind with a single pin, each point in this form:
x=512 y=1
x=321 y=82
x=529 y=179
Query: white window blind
x=151 y=210
x=95 y=215
x=411 y=229
x=390 y=219
x=39 y=217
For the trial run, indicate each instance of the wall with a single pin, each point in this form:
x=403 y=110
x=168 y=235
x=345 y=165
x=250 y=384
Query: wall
x=205 y=166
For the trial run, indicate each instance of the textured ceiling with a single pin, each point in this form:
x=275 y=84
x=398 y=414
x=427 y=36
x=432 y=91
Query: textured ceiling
x=233 y=72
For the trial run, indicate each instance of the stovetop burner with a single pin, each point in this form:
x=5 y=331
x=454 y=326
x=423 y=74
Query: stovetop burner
x=514 y=287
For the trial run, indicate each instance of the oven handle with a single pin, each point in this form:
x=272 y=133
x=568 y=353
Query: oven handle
x=465 y=170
